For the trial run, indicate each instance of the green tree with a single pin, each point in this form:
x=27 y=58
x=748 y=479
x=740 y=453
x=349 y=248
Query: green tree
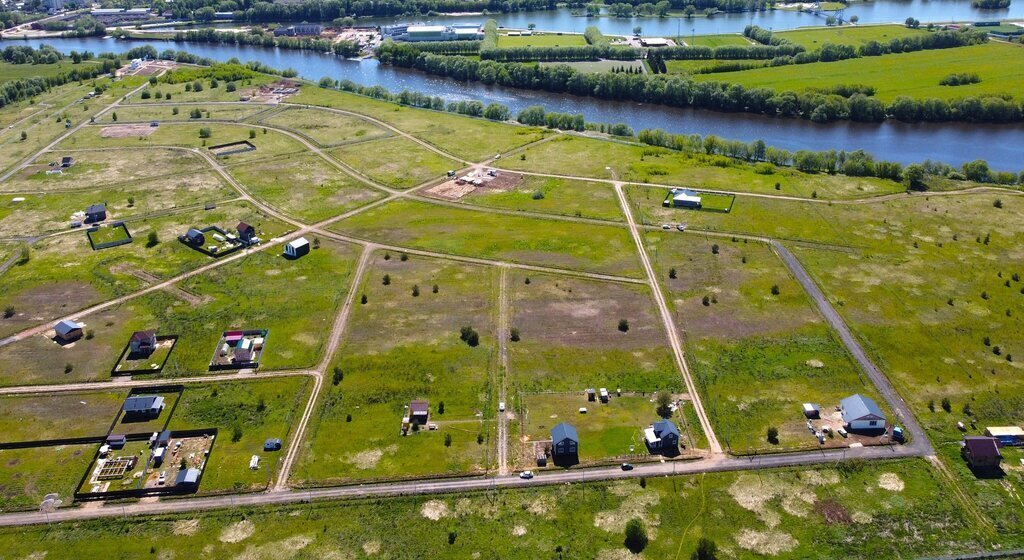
x=387 y=280
x=773 y=435
x=913 y=177
x=636 y=536
x=623 y=325
x=514 y=334
x=468 y=335
x=946 y=405
x=152 y=239
x=664 y=409
x=205 y=132
x=113 y=116
x=706 y=550
x=775 y=289
x=447 y=440
x=337 y=376
x=236 y=434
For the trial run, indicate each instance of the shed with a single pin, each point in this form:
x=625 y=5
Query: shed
x=246 y=233
x=272 y=444
x=812 y=411
x=981 y=451
x=67 y=161
x=861 y=413
x=142 y=342
x=96 y=213
x=187 y=477
x=67 y=330
x=195 y=237
x=419 y=411
x=591 y=394
x=564 y=440
x=143 y=406
x=158 y=456
x=1006 y=435
x=296 y=248
x=116 y=441
x=163 y=439
x=662 y=437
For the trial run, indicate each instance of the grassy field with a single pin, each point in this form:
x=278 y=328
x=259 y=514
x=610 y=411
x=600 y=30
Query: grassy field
x=395 y=162
x=716 y=40
x=258 y=410
x=176 y=113
x=813 y=38
x=95 y=169
x=108 y=234
x=791 y=513
x=28 y=475
x=402 y=347
x=464 y=137
x=589 y=157
x=326 y=128
x=916 y=74
x=576 y=246
x=304 y=186
x=34 y=417
x=220 y=93
x=10 y=72
x=599 y=65
x=541 y=40
x=553 y=196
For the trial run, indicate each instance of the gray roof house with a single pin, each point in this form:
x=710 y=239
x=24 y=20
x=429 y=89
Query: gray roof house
x=862 y=413
x=143 y=405
x=564 y=440
x=67 y=330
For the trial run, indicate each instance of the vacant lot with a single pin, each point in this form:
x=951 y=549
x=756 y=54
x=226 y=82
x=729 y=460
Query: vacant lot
x=304 y=186
x=401 y=347
x=61 y=415
x=177 y=92
x=28 y=475
x=395 y=162
x=326 y=128
x=176 y=112
x=716 y=40
x=95 y=169
x=592 y=248
x=553 y=196
x=541 y=40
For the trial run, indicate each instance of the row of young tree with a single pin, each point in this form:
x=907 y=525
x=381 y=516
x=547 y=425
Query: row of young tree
x=682 y=91
x=263 y=38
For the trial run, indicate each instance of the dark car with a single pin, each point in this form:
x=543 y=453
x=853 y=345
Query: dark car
x=272 y=444
x=627 y=466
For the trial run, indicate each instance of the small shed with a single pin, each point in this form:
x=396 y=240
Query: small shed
x=142 y=342
x=246 y=233
x=296 y=248
x=603 y=394
x=116 y=441
x=163 y=439
x=67 y=161
x=1006 y=435
x=195 y=237
x=564 y=440
x=862 y=413
x=591 y=395
x=158 y=456
x=419 y=412
x=187 y=477
x=272 y=444
x=812 y=411
x=67 y=330
x=96 y=213
x=981 y=451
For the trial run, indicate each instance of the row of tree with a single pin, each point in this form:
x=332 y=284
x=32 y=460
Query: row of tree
x=259 y=11
x=263 y=38
x=14 y=91
x=22 y=54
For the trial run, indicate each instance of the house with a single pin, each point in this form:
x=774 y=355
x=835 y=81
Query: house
x=95 y=213
x=296 y=248
x=143 y=406
x=67 y=161
x=419 y=411
x=1006 y=435
x=67 y=331
x=187 y=477
x=272 y=444
x=195 y=237
x=142 y=342
x=981 y=451
x=116 y=441
x=565 y=442
x=662 y=437
x=685 y=198
x=861 y=413
x=246 y=233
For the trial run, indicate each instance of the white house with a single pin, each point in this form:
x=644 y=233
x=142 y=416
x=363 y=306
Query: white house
x=685 y=198
x=862 y=413
x=296 y=248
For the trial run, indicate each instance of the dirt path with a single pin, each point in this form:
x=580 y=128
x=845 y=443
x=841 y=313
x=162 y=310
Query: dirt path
x=502 y=370
x=128 y=382
x=670 y=327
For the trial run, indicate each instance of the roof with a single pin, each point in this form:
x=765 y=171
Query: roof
x=859 y=407
x=272 y=441
x=142 y=403
x=663 y=428
x=996 y=431
x=67 y=159
x=187 y=476
x=116 y=437
x=296 y=243
x=93 y=208
x=564 y=431
x=982 y=447
x=65 y=326
x=654 y=41
x=143 y=335
x=426 y=29
x=685 y=195
x=242 y=226
x=418 y=406
x=193 y=232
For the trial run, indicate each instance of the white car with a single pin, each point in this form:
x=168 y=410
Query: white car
x=841 y=431
x=681 y=227
x=526 y=475
x=666 y=226
x=162 y=479
x=501 y=406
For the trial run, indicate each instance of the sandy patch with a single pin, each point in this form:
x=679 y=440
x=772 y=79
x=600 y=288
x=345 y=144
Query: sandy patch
x=37 y=555
x=634 y=506
x=519 y=530
x=371 y=547
x=542 y=506
x=435 y=510
x=891 y=482
x=127 y=130
x=820 y=478
x=769 y=543
x=451 y=190
x=186 y=527
x=617 y=554
x=861 y=517
x=280 y=550
x=368 y=459
x=237 y=532
x=815 y=363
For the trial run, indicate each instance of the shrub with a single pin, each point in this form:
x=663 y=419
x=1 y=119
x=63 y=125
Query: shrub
x=537 y=195
x=252 y=134
x=8 y=312
x=672 y=273
x=174 y=111
x=706 y=548
x=773 y=435
x=714 y=249
x=387 y=280
x=231 y=86
x=946 y=405
x=775 y=289
x=348 y=417
x=434 y=289
x=447 y=440
x=514 y=335
x=363 y=299
x=706 y=301
x=236 y=434
x=998 y=203
x=415 y=290
x=623 y=325
x=69 y=367
x=338 y=375
x=440 y=407
x=205 y=132
x=403 y=257
x=664 y=404
x=636 y=536
x=89 y=334
x=152 y=239
x=469 y=336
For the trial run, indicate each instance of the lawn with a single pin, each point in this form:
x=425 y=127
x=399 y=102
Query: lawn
x=326 y=128
x=548 y=195
x=28 y=475
x=571 y=245
x=108 y=233
x=400 y=347
x=603 y=159
x=716 y=40
x=917 y=74
x=93 y=170
x=541 y=40
x=173 y=111
x=246 y=414
x=10 y=72
x=395 y=162
x=813 y=38
x=33 y=417
x=304 y=186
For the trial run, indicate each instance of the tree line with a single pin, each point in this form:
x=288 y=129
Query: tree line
x=261 y=38
x=26 y=88
x=258 y=11
x=21 y=54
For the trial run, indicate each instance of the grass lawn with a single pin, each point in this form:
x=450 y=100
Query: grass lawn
x=571 y=245
x=813 y=38
x=756 y=357
x=541 y=40
x=465 y=137
x=599 y=65
x=716 y=202
x=258 y=410
x=397 y=348
x=97 y=169
x=326 y=128
x=146 y=363
x=176 y=112
x=547 y=195
x=108 y=234
x=716 y=40
x=915 y=74
x=395 y=162
x=33 y=417
x=792 y=512
x=28 y=475
x=589 y=157
x=220 y=93
x=304 y=186
x=10 y=72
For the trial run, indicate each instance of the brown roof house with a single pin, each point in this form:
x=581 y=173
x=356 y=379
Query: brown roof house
x=419 y=412
x=981 y=452
x=142 y=343
x=246 y=233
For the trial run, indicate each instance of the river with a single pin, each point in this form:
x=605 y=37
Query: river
x=954 y=143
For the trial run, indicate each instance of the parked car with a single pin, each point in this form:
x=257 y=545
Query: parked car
x=681 y=227
x=501 y=406
x=842 y=432
x=627 y=466
x=526 y=475
x=666 y=226
x=162 y=479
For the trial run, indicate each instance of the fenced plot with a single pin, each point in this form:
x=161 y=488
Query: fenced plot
x=105 y=237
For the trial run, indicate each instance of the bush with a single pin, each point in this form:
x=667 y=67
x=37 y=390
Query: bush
x=252 y=134
x=387 y=280
x=714 y=249
x=775 y=289
x=69 y=367
x=664 y=405
x=706 y=550
x=773 y=435
x=363 y=299
x=337 y=376
x=514 y=335
x=946 y=405
x=205 y=132
x=8 y=312
x=415 y=290
x=447 y=440
x=89 y=334
x=623 y=325
x=152 y=239
x=672 y=273
x=469 y=336
x=236 y=434
x=231 y=86
x=636 y=536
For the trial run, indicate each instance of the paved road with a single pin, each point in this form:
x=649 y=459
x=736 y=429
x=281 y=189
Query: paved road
x=919 y=441
x=670 y=327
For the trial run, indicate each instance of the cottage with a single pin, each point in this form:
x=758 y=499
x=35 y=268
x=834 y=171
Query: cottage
x=67 y=331
x=296 y=248
x=685 y=198
x=419 y=411
x=143 y=406
x=142 y=342
x=96 y=213
x=67 y=161
x=246 y=233
x=195 y=237
x=861 y=413
x=187 y=477
x=981 y=451
x=565 y=442
x=662 y=437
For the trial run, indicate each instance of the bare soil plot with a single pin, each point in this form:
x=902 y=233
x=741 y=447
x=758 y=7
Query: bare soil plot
x=95 y=169
x=127 y=131
x=477 y=180
x=395 y=162
x=399 y=347
x=59 y=415
x=326 y=128
x=570 y=338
